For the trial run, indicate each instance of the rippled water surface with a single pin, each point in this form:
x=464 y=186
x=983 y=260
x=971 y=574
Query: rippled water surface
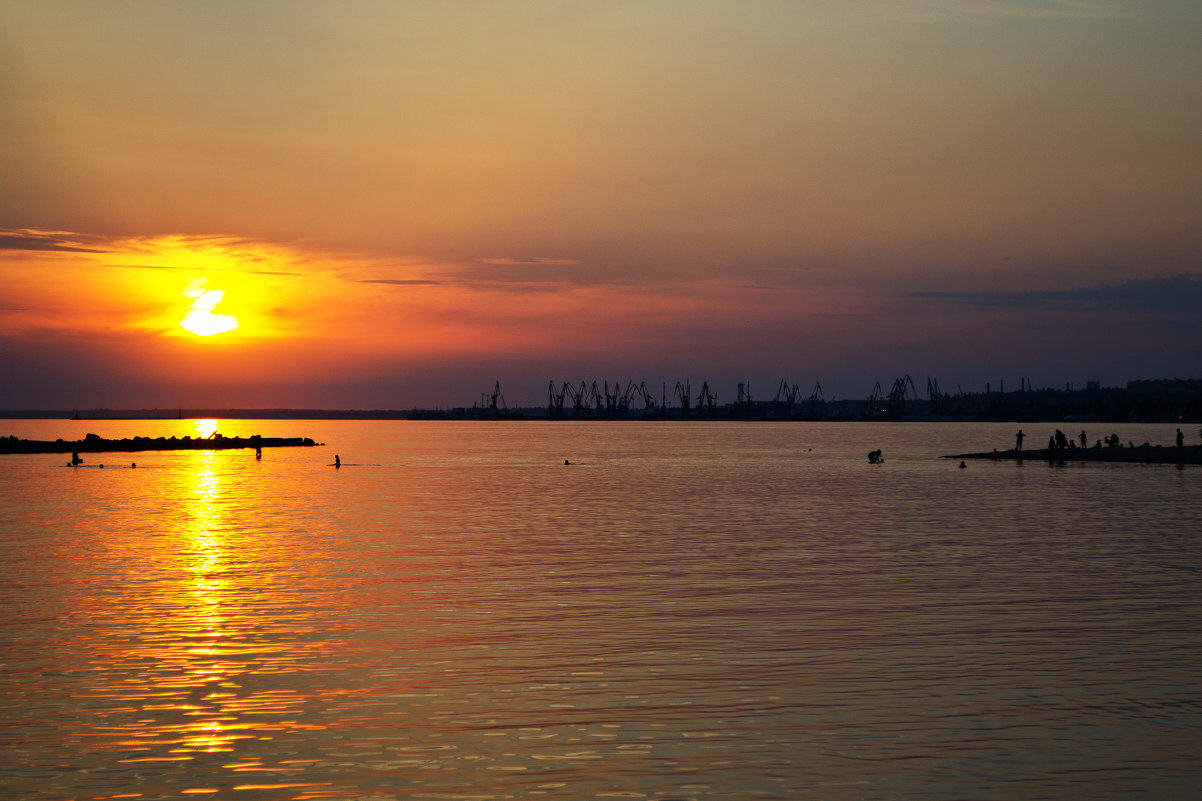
x=687 y=611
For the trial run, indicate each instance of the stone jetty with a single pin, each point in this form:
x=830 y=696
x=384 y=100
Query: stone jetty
x=95 y=444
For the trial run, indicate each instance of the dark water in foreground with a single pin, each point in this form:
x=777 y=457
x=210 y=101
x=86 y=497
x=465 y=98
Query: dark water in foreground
x=713 y=611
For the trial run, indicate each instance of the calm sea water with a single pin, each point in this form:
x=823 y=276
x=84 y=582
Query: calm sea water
x=687 y=611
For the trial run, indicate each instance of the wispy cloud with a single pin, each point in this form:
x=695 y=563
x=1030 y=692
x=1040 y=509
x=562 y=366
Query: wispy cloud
x=541 y=262
x=1174 y=295
x=400 y=281
x=477 y=285
x=32 y=239
x=1035 y=9
x=190 y=269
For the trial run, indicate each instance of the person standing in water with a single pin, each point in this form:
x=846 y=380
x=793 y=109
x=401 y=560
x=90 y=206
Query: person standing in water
x=1018 y=440
x=337 y=461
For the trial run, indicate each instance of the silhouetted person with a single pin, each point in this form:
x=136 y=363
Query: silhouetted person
x=874 y=457
x=1052 y=443
x=962 y=465
x=1084 y=439
x=1018 y=440
x=258 y=453
x=1180 y=440
x=565 y=461
x=75 y=459
x=133 y=465
x=1061 y=441
x=337 y=461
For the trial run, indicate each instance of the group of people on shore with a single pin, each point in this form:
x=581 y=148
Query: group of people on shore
x=1058 y=441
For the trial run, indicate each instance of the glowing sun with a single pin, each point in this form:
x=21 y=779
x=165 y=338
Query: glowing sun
x=200 y=319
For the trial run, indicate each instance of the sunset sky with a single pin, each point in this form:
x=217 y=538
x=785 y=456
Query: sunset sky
x=400 y=203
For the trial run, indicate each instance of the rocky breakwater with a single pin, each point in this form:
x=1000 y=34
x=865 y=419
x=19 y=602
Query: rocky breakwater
x=92 y=443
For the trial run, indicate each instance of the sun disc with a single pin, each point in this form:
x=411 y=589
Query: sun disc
x=206 y=324
x=200 y=319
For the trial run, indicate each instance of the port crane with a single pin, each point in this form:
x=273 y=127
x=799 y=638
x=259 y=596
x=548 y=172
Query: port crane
x=934 y=394
x=612 y=401
x=876 y=404
x=555 y=399
x=706 y=399
x=592 y=397
x=579 y=398
x=641 y=392
x=682 y=396
x=815 y=399
x=744 y=398
x=786 y=396
x=902 y=391
x=491 y=400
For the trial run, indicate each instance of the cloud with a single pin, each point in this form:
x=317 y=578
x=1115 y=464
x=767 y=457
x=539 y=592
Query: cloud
x=540 y=262
x=193 y=269
x=400 y=281
x=26 y=239
x=521 y=286
x=1174 y=295
x=1036 y=9
x=476 y=285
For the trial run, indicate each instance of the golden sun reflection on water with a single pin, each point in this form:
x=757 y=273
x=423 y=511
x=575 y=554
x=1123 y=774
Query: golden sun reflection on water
x=204 y=427
x=206 y=642
x=205 y=529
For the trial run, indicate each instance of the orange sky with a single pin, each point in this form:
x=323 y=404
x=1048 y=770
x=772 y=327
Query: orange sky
x=402 y=203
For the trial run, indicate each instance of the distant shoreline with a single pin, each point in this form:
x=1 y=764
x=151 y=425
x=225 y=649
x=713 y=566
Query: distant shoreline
x=540 y=415
x=1146 y=401
x=723 y=414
